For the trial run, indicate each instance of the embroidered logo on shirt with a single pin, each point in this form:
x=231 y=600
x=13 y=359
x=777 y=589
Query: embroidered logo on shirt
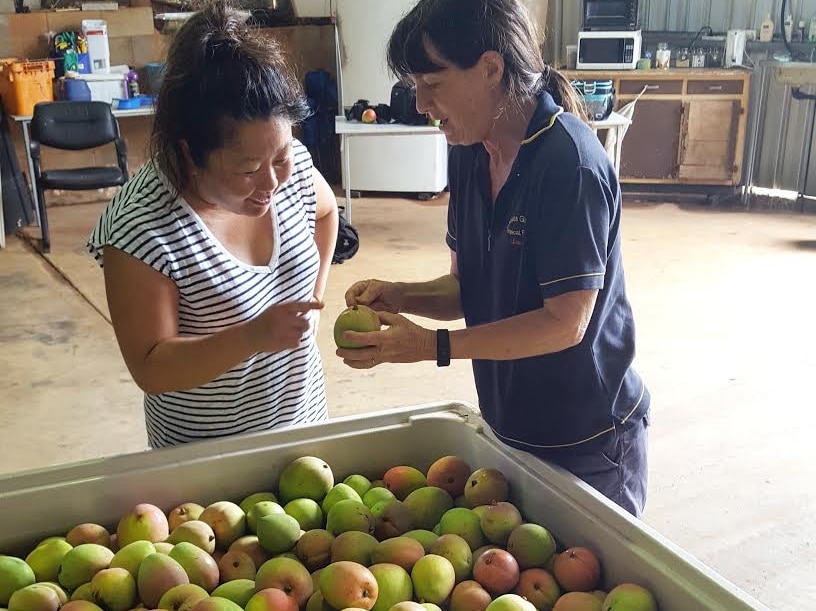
x=516 y=229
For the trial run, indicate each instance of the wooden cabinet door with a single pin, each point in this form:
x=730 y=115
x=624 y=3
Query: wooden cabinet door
x=708 y=140
x=651 y=142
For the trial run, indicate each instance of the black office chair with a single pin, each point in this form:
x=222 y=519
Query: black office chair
x=74 y=126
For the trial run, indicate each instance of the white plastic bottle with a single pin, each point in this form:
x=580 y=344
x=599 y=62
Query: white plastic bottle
x=767 y=29
x=789 y=27
x=812 y=30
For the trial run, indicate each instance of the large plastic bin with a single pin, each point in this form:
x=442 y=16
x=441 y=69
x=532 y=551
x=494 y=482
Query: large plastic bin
x=24 y=84
x=36 y=504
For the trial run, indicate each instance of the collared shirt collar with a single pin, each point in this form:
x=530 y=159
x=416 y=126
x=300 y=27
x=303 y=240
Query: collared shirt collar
x=543 y=118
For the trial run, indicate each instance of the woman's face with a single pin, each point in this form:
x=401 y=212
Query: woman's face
x=465 y=101
x=242 y=176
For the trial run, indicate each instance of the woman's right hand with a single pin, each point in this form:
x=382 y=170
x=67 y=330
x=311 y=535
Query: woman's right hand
x=379 y=295
x=281 y=327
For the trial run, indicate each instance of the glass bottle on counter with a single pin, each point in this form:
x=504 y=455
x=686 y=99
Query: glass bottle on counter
x=715 y=57
x=698 y=58
x=683 y=58
x=663 y=56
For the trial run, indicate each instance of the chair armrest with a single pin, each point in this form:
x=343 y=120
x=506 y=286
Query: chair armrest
x=121 y=155
x=34 y=151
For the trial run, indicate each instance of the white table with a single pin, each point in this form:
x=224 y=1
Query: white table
x=619 y=124
x=350 y=129
x=25 y=123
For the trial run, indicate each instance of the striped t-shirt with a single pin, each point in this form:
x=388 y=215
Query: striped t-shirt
x=216 y=290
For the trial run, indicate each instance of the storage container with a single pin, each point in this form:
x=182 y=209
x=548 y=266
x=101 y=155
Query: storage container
x=106 y=87
x=25 y=83
x=128 y=104
x=74 y=89
x=598 y=97
x=47 y=502
x=154 y=72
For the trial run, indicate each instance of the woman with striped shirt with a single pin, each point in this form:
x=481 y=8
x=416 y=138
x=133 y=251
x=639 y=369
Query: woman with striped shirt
x=216 y=253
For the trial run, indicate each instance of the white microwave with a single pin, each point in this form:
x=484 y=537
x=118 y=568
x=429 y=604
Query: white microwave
x=601 y=50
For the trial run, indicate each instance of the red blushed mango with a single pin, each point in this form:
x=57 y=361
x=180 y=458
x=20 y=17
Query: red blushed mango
x=348 y=584
x=578 y=601
x=145 y=522
x=236 y=565
x=469 y=596
x=577 y=569
x=271 y=599
x=183 y=513
x=288 y=575
x=88 y=533
x=392 y=519
x=497 y=571
x=403 y=480
x=485 y=486
x=539 y=587
x=402 y=551
x=314 y=548
x=498 y=520
x=250 y=545
x=449 y=473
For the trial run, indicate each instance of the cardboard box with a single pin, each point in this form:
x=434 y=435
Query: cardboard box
x=103 y=490
x=24 y=25
x=144 y=50
x=129 y=22
x=121 y=51
x=60 y=21
x=313 y=8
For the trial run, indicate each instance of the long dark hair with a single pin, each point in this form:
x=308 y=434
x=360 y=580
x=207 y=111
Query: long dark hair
x=218 y=68
x=463 y=30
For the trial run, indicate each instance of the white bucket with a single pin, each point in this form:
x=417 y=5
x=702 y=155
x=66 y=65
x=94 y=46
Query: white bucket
x=96 y=34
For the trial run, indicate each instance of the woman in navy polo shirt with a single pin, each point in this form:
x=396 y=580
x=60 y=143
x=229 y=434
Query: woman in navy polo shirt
x=534 y=233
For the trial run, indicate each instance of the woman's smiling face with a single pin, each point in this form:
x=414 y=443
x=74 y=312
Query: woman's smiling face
x=243 y=175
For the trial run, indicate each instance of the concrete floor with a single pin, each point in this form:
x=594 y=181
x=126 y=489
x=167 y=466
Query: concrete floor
x=724 y=304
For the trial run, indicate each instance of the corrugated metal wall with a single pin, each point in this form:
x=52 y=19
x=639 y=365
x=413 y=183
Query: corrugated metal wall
x=685 y=15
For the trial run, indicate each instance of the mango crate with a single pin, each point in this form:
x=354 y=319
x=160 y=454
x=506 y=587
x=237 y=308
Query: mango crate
x=37 y=504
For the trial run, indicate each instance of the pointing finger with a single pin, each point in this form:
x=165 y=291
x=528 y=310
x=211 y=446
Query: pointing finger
x=303 y=306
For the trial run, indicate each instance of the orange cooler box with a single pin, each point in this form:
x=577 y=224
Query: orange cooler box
x=25 y=83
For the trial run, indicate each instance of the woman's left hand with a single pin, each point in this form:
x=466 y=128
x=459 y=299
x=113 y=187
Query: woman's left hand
x=402 y=342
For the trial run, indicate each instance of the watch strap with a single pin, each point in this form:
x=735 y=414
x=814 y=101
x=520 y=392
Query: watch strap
x=443 y=348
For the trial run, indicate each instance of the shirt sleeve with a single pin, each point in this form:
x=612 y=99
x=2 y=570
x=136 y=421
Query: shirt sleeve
x=571 y=245
x=139 y=222
x=303 y=179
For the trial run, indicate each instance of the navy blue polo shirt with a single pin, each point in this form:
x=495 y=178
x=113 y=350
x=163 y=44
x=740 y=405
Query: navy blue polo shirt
x=554 y=228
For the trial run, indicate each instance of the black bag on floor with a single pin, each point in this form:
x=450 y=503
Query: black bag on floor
x=348 y=241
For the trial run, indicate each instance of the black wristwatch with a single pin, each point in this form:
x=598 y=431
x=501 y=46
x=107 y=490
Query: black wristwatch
x=443 y=349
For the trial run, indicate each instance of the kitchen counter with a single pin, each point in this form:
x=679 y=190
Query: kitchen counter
x=688 y=127
x=671 y=73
